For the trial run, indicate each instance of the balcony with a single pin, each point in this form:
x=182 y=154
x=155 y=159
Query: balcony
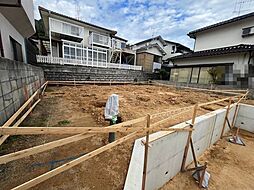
x=99 y=39
x=85 y=62
x=65 y=28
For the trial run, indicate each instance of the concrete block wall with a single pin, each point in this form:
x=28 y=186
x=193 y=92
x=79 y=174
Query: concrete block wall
x=18 y=81
x=55 y=72
x=166 y=150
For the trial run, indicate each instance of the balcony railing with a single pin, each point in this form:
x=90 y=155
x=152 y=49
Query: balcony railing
x=66 y=61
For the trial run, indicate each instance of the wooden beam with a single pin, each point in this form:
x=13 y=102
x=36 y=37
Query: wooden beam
x=225 y=119
x=42 y=93
x=41 y=148
x=72 y=163
x=146 y=154
x=78 y=130
x=17 y=113
x=4 y=137
x=186 y=149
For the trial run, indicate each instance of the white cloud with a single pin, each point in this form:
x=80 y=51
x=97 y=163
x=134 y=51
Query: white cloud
x=140 y=19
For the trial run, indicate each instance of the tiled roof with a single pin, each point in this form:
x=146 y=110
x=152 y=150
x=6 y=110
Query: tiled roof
x=218 y=51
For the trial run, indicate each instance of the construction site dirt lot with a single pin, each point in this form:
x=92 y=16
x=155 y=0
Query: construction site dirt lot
x=83 y=106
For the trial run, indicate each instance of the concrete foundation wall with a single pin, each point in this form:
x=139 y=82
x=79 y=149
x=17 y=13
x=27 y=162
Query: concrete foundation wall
x=18 y=81
x=245 y=118
x=81 y=73
x=167 y=148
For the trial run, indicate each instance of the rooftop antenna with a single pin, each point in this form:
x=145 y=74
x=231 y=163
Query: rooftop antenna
x=241 y=5
x=77 y=9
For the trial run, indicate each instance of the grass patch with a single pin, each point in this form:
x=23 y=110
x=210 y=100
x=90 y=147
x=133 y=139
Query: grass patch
x=64 y=122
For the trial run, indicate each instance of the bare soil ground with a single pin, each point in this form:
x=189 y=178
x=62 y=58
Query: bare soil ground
x=231 y=167
x=83 y=106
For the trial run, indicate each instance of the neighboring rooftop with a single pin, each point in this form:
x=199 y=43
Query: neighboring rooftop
x=218 y=51
x=164 y=42
x=192 y=34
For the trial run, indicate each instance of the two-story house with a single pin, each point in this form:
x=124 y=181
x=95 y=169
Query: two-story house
x=153 y=52
x=17 y=24
x=223 y=53
x=65 y=40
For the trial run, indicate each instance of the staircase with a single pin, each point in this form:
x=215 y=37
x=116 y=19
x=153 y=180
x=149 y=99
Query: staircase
x=114 y=56
x=46 y=46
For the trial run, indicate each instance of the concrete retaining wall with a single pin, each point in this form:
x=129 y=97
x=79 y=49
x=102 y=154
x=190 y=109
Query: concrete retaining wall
x=55 y=72
x=167 y=148
x=245 y=117
x=18 y=81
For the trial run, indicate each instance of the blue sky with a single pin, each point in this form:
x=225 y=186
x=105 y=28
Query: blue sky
x=136 y=20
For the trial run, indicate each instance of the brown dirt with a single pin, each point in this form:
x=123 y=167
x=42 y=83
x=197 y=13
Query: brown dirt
x=231 y=167
x=83 y=106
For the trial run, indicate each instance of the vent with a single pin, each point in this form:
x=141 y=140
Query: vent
x=248 y=31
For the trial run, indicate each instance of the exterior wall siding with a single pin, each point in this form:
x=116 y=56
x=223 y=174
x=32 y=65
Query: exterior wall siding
x=146 y=61
x=7 y=31
x=18 y=81
x=227 y=35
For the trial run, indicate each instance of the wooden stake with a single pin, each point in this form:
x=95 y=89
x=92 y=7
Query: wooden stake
x=189 y=139
x=202 y=175
x=146 y=154
x=226 y=116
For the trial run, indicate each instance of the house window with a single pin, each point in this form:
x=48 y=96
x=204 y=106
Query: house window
x=17 y=50
x=194 y=76
x=173 y=49
x=156 y=59
x=1 y=47
x=77 y=51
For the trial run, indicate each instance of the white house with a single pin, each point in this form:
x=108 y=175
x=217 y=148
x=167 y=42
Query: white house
x=226 y=48
x=151 y=53
x=65 y=40
x=17 y=24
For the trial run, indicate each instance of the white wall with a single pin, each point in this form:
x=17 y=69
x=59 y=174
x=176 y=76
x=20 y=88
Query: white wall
x=226 y=35
x=29 y=9
x=8 y=30
x=245 y=117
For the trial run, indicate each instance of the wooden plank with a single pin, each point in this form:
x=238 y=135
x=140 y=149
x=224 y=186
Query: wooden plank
x=3 y=138
x=77 y=130
x=72 y=163
x=146 y=153
x=226 y=116
x=186 y=149
x=42 y=93
x=41 y=148
x=61 y=130
x=163 y=123
x=15 y=115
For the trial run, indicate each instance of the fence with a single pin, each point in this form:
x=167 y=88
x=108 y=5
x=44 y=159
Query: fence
x=68 y=61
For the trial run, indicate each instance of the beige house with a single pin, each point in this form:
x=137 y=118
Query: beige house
x=153 y=52
x=226 y=48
